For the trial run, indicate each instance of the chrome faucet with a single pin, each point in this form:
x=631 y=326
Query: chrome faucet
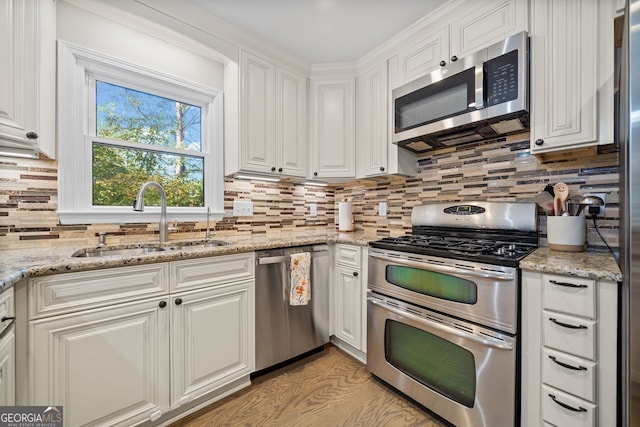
x=138 y=206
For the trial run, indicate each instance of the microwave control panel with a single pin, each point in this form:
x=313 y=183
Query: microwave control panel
x=501 y=78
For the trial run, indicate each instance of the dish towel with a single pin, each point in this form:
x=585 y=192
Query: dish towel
x=300 y=292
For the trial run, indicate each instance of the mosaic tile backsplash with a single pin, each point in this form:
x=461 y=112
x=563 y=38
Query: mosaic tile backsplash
x=501 y=170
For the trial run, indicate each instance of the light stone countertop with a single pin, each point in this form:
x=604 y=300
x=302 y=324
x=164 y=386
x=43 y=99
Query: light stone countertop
x=588 y=265
x=16 y=264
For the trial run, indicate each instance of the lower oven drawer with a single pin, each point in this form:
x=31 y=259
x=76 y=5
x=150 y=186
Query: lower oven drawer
x=462 y=372
x=569 y=334
x=571 y=374
x=562 y=409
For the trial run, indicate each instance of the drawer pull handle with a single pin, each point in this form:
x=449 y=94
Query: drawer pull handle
x=565 y=365
x=567 y=285
x=5 y=318
x=566 y=325
x=565 y=406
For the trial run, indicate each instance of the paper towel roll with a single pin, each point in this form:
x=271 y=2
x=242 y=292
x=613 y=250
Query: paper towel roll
x=345 y=216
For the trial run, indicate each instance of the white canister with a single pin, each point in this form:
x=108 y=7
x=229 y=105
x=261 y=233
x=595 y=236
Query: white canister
x=345 y=216
x=566 y=233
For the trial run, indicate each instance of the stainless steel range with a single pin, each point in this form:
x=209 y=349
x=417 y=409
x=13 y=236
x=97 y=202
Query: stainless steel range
x=443 y=309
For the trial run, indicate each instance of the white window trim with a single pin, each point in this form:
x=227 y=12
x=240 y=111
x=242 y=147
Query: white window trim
x=76 y=67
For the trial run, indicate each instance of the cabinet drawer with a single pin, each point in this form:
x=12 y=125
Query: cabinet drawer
x=569 y=295
x=348 y=255
x=204 y=272
x=568 y=373
x=562 y=409
x=69 y=292
x=6 y=308
x=569 y=334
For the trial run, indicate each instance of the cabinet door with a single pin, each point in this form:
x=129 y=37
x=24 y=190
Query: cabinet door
x=563 y=74
x=333 y=128
x=257 y=130
x=423 y=54
x=27 y=75
x=213 y=339
x=486 y=24
x=348 y=306
x=105 y=366
x=372 y=120
x=8 y=369
x=291 y=123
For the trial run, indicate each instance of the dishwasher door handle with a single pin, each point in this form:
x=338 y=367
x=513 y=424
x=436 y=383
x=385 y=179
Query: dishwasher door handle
x=272 y=260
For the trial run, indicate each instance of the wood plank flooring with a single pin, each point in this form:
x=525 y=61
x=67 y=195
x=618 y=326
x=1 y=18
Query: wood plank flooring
x=326 y=389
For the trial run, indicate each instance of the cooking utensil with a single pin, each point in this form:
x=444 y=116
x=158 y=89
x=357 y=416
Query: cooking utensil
x=561 y=191
x=545 y=200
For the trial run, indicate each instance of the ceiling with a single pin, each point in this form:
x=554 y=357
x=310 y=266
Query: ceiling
x=322 y=31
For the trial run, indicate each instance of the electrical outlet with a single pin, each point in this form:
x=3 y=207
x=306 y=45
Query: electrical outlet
x=242 y=208
x=313 y=209
x=382 y=209
x=604 y=201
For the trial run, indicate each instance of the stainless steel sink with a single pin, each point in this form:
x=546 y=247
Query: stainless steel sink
x=142 y=250
x=121 y=251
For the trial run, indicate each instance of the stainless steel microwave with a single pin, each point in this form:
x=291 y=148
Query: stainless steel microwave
x=474 y=98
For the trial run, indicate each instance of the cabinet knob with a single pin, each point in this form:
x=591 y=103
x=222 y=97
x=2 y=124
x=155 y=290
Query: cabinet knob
x=355 y=274
x=315 y=174
x=162 y=304
x=178 y=301
x=454 y=58
x=32 y=135
x=273 y=168
x=442 y=63
x=381 y=168
x=279 y=169
x=539 y=142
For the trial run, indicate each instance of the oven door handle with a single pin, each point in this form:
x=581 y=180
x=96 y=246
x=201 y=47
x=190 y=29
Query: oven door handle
x=448 y=329
x=445 y=269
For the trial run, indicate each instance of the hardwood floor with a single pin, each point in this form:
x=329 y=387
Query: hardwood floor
x=326 y=389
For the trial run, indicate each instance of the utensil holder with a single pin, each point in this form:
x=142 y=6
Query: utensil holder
x=567 y=233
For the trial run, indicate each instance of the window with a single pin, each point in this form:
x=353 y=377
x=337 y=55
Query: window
x=121 y=125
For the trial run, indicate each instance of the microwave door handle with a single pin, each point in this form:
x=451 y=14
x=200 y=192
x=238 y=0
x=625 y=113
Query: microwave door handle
x=479 y=86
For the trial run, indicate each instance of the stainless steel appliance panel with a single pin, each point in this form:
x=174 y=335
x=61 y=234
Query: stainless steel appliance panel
x=284 y=331
x=630 y=212
x=478 y=386
x=495 y=287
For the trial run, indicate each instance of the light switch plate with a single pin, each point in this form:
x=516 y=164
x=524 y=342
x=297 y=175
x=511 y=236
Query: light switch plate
x=382 y=209
x=242 y=208
x=313 y=209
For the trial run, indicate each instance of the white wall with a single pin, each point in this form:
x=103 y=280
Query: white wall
x=88 y=29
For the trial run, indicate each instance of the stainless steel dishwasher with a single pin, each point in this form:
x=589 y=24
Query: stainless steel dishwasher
x=284 y=331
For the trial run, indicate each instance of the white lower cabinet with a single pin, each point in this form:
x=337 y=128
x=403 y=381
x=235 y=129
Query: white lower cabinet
x=211 y=341
x=349 y=291
x=107 y=366
x=8 y=368
x=127 y=363
x=569 y=351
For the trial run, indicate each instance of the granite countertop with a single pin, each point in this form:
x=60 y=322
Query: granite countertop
x=16 y=264
x=589 y=265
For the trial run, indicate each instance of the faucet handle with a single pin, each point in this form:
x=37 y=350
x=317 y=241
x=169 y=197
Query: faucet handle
x=173 y=228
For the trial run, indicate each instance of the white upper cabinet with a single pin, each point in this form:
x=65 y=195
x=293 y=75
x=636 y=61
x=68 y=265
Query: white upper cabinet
x=273 y=112
x=27 y=77
x=571 y=74
x=333 y=136
x=477 y=25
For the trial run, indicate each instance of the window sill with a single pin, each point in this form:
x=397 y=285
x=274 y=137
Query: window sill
x=124 y=216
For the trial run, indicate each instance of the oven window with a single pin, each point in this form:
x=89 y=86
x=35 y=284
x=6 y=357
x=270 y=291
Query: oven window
x=432 y=361
x=438 y=285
